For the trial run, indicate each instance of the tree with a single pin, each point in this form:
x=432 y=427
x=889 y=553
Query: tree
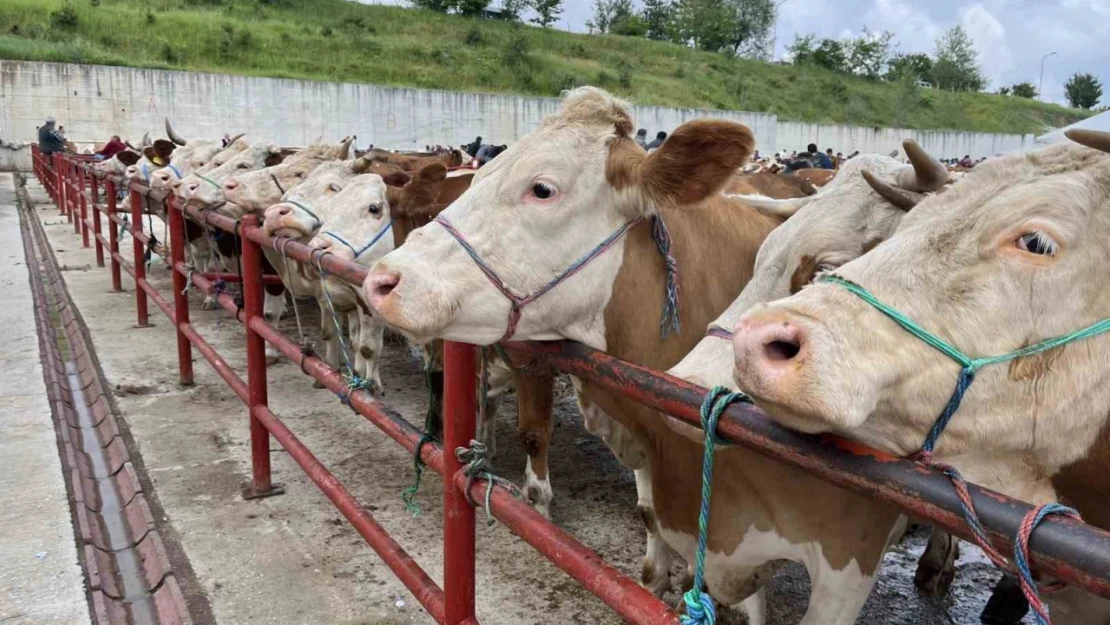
x=512 y=10
x=440 y=6
x=868 y=54
x=658 y=16
x=733 y=26
x=827 y=53
x=472 y=7
x=957 y=64
x=916 y=66
x=547 y=12
x=751 y=23
x=608 y=13
x=1023 y=90
x=1004 y=91
x=1083 y=91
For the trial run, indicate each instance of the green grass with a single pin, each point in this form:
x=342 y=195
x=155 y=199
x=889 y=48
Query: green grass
x=336 y=40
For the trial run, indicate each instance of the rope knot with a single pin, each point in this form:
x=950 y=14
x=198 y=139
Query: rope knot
x=700 y=608
x=476 y=467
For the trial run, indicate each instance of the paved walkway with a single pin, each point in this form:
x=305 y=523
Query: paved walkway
x=40 y=579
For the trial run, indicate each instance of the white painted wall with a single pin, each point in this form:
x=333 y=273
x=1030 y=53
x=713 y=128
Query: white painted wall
x=94 y=102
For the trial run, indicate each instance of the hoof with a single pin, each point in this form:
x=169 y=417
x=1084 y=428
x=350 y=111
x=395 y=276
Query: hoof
x=376 y=389
x=936 y=570
x=1007 y=605
x=209 y=303
x=658 y=582
x=272 y=355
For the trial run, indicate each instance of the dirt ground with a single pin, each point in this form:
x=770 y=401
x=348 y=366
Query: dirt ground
x=293 y=560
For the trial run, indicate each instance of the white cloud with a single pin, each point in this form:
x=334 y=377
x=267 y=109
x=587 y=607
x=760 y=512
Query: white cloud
x=989 y=36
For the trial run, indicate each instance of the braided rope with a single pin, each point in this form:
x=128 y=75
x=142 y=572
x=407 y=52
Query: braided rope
x=662 y=238
x=350 y=377
x=700 y=608
x=477 y=467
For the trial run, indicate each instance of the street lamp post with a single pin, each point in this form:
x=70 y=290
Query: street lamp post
x=1040 y=80
x=775 y=30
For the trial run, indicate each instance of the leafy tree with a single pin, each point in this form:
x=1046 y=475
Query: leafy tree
x=1023 y=90
x=828 y=53
x=658 y=16
x=1004 y=91
x=608 y=13
x=440 y=6
x=868 y=54
x=1083 y=91
x=630 y=25
x=703 y=23
x=751 y=22
x=513 y=10
x=547 y=12
x=957 y=64
x=916 y=65
x=472 y=7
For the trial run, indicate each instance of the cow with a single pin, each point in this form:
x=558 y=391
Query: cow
x=769 y=185
x=206 y=185
x=357 y=230
x=255 y=191
x=816 y=177
x=540 y=208
x=452 y=158
x=1004 y=259
x=187 y=158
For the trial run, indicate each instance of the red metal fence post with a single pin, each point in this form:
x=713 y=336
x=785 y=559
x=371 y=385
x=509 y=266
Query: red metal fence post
x=83 y=224
x=94 y=192
x=460 y=408
x=180 y=295
x=59 y=181
x=261 y=485
x=140 y=264
x=113 y=234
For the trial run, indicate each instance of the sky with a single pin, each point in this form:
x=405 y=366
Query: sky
x=1011 y=36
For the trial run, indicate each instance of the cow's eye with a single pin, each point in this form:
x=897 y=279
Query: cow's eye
x=243 y=166
x=543 y=191
x=375 y=209
x=1037 y=242
x=823 y=268
x=334 y=188
x=299 y=174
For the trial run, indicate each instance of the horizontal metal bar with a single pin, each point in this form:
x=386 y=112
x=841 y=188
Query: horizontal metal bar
x=426 y=591
x=350 y=272
x=1061 y=548
x=630 y=600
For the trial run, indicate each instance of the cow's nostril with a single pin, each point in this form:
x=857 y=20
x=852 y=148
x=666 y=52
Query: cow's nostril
x=284 y=210
x=776 y=351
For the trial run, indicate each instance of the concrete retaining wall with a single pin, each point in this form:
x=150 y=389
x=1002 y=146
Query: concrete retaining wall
x=94 y=102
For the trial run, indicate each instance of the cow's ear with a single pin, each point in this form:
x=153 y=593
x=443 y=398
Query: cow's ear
x=164 y=149
x=424 y=188
x=149 y=153
x=695 y=161
x=396 y=179
x=274 y=156
x=128 y=158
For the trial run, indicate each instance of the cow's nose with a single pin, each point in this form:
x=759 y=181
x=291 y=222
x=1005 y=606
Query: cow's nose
x=284 y=210
x=772 y=343
x=176 y=185
x=379 y=285
x=321 y=243
x=231 y=185
x=192 y=187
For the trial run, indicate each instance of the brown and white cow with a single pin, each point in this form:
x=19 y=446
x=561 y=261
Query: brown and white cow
x=190 y=156
x=412 y=162
x=1009 y=256
x=543 y=204
x=254 y=192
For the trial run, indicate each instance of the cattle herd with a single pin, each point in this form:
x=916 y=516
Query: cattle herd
x=560 y=237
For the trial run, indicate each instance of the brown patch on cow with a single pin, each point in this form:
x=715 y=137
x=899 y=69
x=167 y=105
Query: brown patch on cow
x=871 y=244
x=622 y=165
x=1083 y=484
x=396 y=179
x=816 y=177
x=680 y=173
x=804 y=273
x=274 y=158
x=1035 y=367
x=414 y=162
x=771 y=185
x=128 y=158
x=647 y=516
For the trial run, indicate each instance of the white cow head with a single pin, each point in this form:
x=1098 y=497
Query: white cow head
x=536 y=209
x=206 y=187
x=1012 y=254
x=256 y=191
x=846 y=218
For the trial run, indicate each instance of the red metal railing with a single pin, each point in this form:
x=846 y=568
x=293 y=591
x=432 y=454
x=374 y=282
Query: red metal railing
x=1064 y=549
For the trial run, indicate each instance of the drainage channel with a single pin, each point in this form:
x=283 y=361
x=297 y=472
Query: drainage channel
x=112 y=517
x=127 y=570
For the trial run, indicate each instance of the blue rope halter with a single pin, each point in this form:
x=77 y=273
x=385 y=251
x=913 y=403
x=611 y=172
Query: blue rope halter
x=369 y=245
x=175 y=171
x=208 y=180
x=319 y=222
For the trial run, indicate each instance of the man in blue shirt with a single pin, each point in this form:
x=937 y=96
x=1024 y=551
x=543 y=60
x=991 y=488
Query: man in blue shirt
x=819 y=157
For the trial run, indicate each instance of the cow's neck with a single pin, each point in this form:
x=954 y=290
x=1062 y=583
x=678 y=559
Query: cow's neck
x=715 y=243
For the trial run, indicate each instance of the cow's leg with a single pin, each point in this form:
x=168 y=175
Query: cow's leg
x=535 y=394
x=369 y=345
x=755 y=607
x=937 y=566
x=1076 y=607
x=273 y=305
x=498 y=380
x=655 y=573
x=328 y=336
x=1008 y=605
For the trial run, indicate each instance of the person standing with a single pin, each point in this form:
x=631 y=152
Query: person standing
x=473 y=148
x=641 y=138
x=50 y=140
x=660 y=137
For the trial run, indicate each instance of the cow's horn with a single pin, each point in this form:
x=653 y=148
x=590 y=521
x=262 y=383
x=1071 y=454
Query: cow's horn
x=128 y=144
x=928 y=174
x=362 y=164
x=345 y=148
x=235 y=138
x=1095 y=139
x=173 y=135
x=146 y=139
x=773 y=207
x=898 y=197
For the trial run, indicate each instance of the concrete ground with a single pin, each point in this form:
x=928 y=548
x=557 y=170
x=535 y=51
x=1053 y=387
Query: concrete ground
x=293 y=560
x=40 y=578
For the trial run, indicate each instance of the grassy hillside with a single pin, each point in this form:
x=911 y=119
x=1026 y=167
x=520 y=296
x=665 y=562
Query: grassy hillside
x=345 y=41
